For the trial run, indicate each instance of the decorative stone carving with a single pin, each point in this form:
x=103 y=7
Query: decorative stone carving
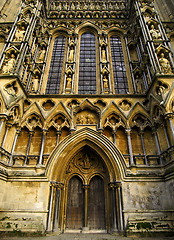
x=35 y=84
x=86 y=161
x=105 y=83
x=71 y=51
x=165 y=64
x=156 y=35
x=103 y=54
x=69 y=73
x=19 y=34
x=139 y=84
x=42 y=53
x=9 y=64
x=11 y=89
x=140 y=121
x=48 y=105
x=125 y=105
x=160 y=89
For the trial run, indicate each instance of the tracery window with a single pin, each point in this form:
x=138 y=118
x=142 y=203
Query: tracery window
x=119 y=70
x=55 y=71
x=87 y=67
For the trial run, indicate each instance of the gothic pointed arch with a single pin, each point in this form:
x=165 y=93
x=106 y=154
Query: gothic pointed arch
x=62 y=155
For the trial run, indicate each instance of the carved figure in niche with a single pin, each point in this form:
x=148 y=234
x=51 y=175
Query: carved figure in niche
x=103 y=55
x=80 y=120
x=72 y=6
x=97 y=6
x=42 y=55
x=139 y=84
x=65 y=7
x=11 y=89
x=85 y=7
x=14 y=113
x=161 y=88
x=68 y=83
x=104 y=6
x=78 y=7
x=125 y=105
x=110 y=7
x=105 y=83
x=8 y=67
x=116 y=6
x=35 y=84
x=59 y=7
x=122 y=7
x=91 y=7
x=154 y=33
x=71 y=54
x=28 y=16
x=19 y=34
x=165 y=65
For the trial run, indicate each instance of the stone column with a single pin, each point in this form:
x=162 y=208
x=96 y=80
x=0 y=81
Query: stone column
x=8 y=126
x=58 y=136
x=154 y=131
x=143 y=146
x=120 y=206
x=59 y=187
x=169 y=118
x=44 y=132
x=114 y=132
x=115 y=222
x=31 y=133
x=2 y=122
x=14 y=145
x=86 y=187
x=49 y=222
x=130 y=146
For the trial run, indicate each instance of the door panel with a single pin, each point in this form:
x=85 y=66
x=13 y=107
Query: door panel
x=96 y=204
x=75 y=204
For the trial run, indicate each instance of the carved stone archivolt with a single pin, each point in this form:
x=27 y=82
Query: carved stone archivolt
x=86 y=117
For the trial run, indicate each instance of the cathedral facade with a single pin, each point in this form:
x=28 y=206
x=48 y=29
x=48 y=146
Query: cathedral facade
x=86 y=116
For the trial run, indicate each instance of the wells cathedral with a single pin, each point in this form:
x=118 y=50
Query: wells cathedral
x=87 y=116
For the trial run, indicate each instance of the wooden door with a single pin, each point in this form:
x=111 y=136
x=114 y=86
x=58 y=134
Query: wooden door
x=75 y=204
x=96 y=204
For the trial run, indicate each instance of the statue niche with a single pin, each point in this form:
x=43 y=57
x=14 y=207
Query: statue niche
x=165 y=64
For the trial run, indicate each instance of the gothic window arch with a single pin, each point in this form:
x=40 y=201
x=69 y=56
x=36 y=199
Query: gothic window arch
x=56 y=66
x=118 y=65
x=87 y=64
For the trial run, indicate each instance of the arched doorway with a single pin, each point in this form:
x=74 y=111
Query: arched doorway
x=85 y=205
x=89 y=166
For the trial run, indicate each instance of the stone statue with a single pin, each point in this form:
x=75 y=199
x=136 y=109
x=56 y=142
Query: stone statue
x=110 y=7
x=122 y=7
x=71 y=54
x=35 y=84
x=19 y=34
x=103 y=55
x=85 y=7
x=165 y=65
x=42 y=55
x=59 y=8
x=116 y=6
x=97 y=6
x=105 y=82
x=155 y=33
x=68 y=81
x=139 y=84
x=8 y=67
x=73 y=6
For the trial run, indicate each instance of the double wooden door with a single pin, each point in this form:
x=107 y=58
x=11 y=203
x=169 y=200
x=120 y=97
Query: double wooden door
x=93 y=207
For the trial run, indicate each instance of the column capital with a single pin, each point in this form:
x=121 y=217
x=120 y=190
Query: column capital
x=44 y=131
x=128 y=131
x=55 y=184
x=115 y=184
x=86 y=186
x=169 y=116
x=31 y=133
x=3 y=117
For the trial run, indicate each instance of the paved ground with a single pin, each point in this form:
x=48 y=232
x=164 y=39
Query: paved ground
x=68 y=236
